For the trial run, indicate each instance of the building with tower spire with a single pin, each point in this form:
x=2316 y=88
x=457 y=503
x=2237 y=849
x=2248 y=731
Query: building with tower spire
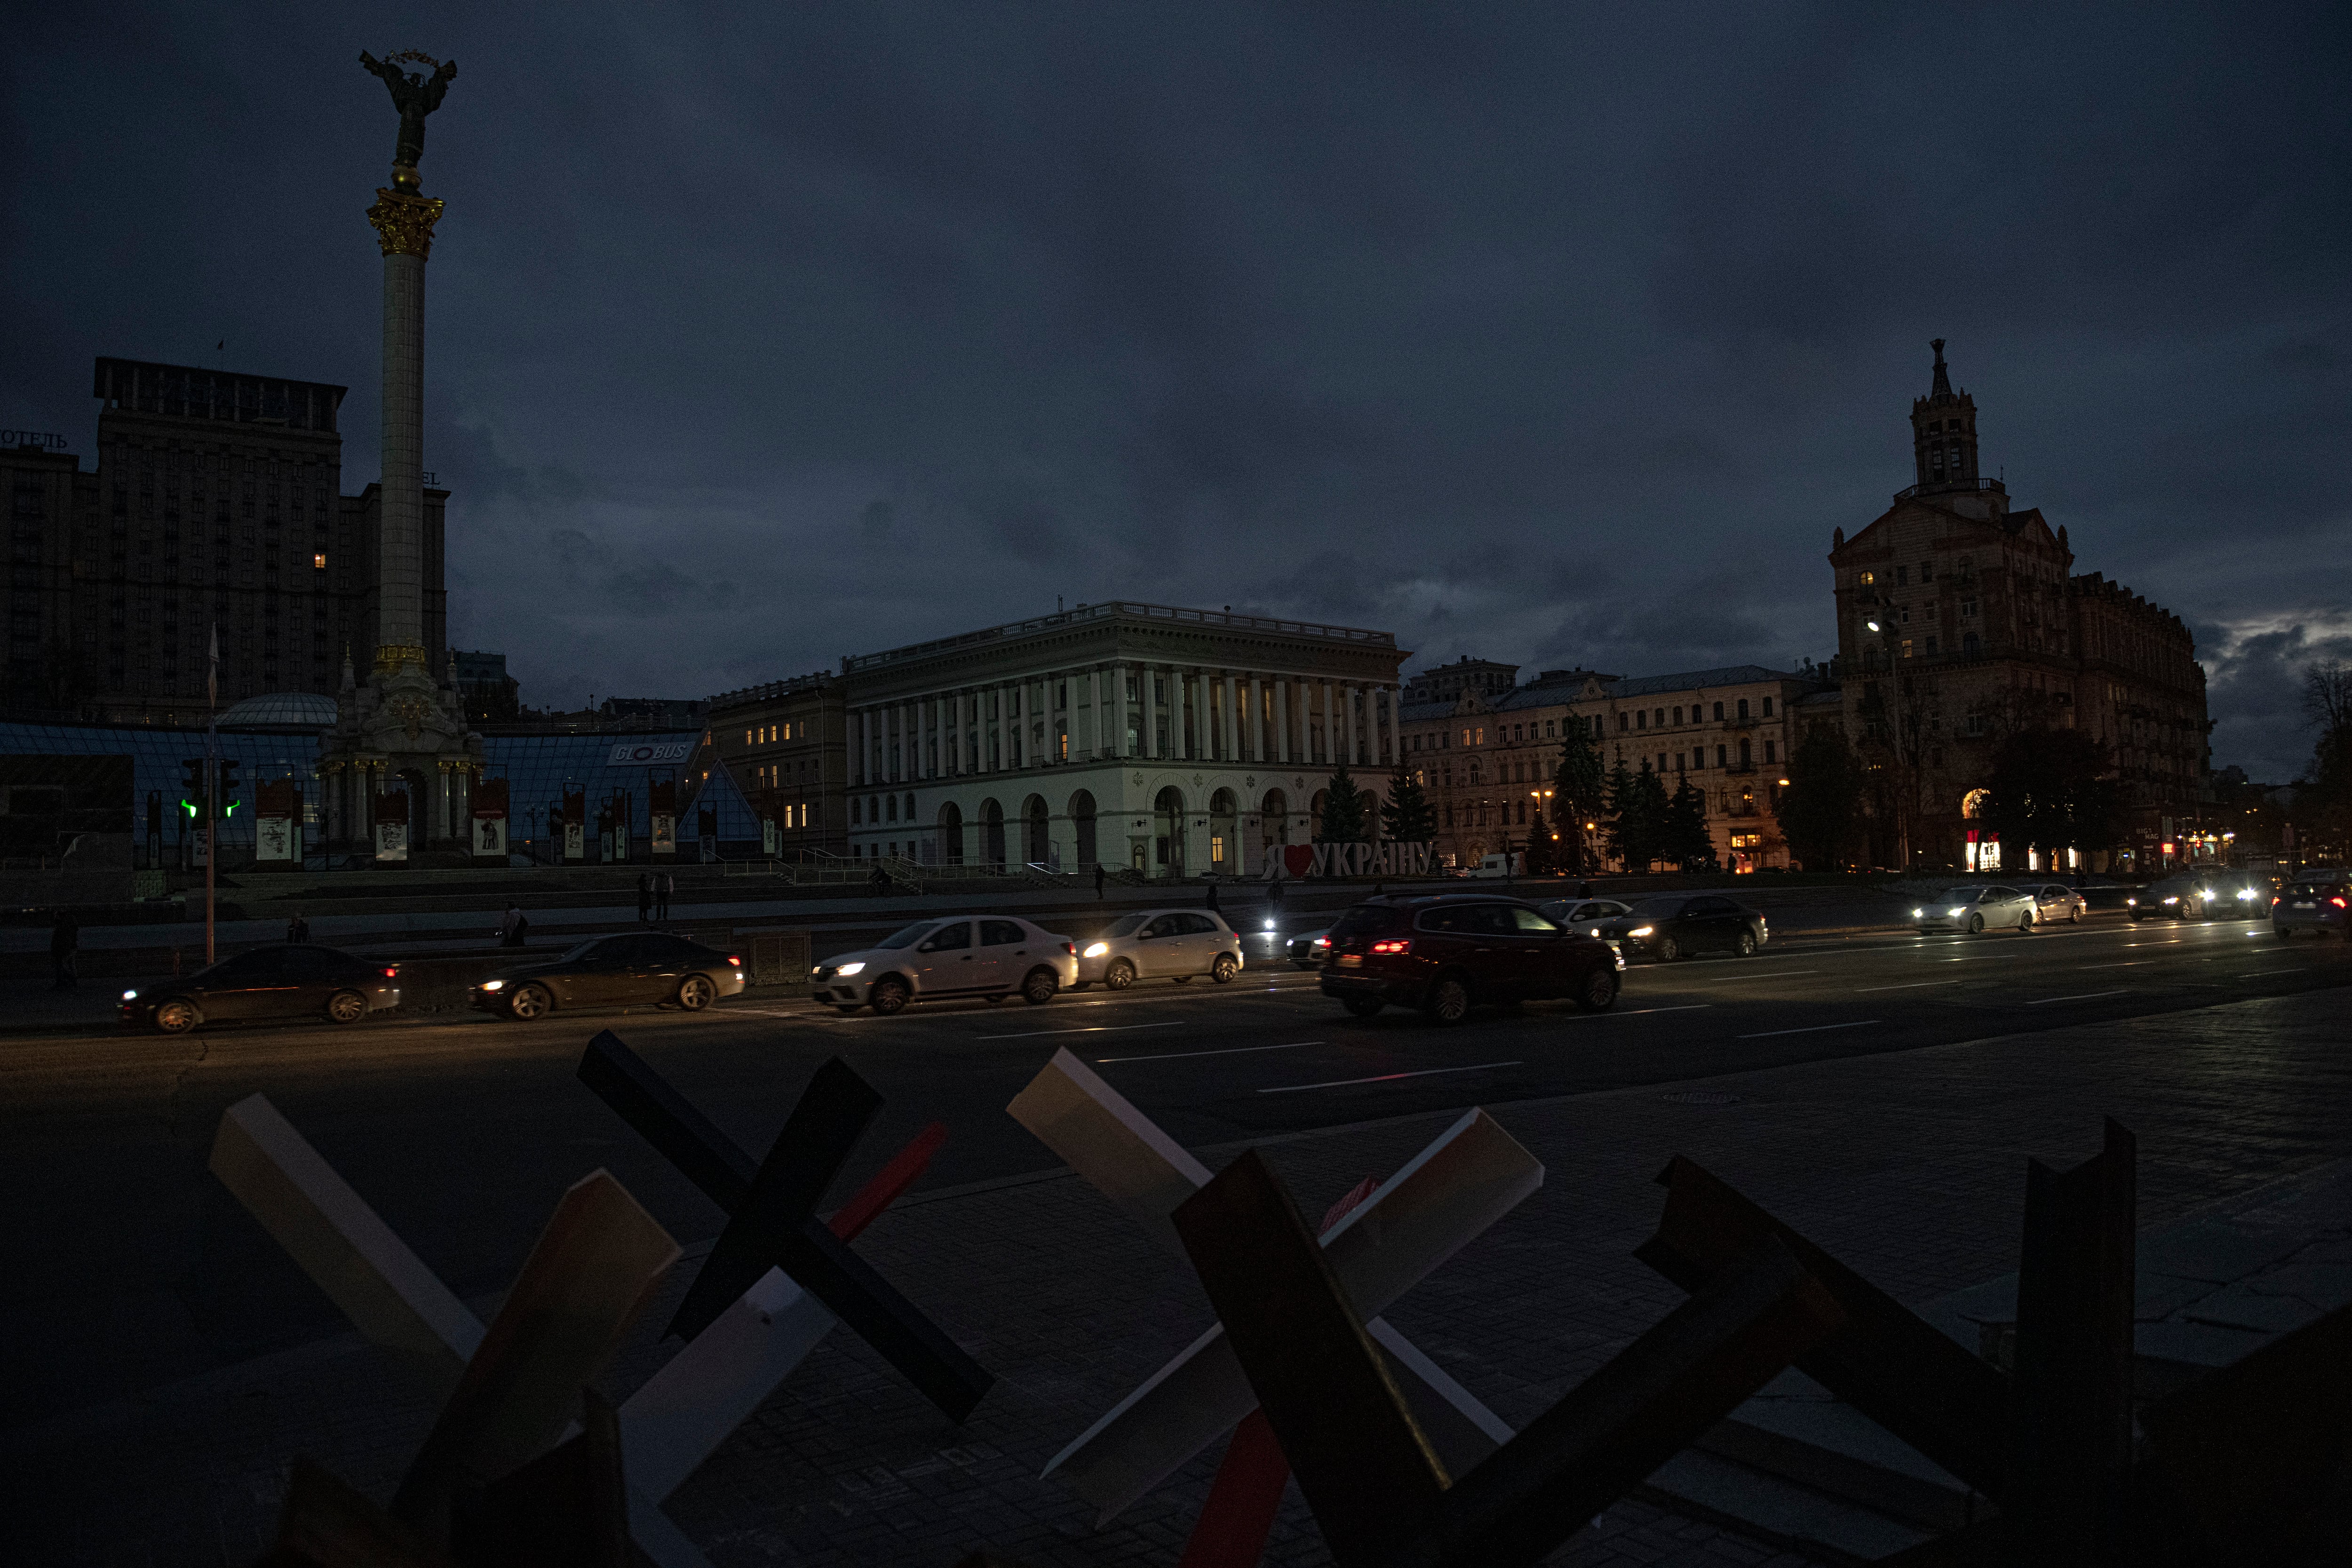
x=1962 y=621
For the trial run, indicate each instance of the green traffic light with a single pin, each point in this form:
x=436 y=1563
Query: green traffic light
x=189 y=807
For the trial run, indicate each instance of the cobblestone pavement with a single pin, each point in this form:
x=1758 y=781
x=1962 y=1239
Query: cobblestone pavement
x=1908 y=1165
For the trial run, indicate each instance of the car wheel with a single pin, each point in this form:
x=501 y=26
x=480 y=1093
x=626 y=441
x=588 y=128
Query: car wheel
x=175 y=1017
x=1746 y=945
x=2025 y=923
x=1363 y=1006
x=529 y=1001
x=890 y=994
x=2075 y=914
x=2191 y=911
x=694 y=993
x=346 y=1007
x=1039 y=988
x=1598 y=994
x=1666 y=950
x=1119 y=975
x=1976 y=923
x=1224 y=969
x=1448 y=1001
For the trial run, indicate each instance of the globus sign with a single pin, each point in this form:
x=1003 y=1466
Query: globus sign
x=1390 y=859
x=628 y=752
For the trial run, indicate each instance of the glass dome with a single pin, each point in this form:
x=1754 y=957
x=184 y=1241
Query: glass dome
x=282 y=710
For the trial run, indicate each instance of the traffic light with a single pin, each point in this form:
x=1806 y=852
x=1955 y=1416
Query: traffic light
x=192 y=788
x=228 y=787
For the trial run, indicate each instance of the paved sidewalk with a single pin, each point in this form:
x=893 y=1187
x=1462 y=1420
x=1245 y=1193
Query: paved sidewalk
x=1910 y=1165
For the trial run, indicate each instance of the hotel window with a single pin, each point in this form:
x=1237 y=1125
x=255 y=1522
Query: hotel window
x=1907 y=648
x=1868 y=578
x=318 y=562
x=1678 y=715
x=1662 y=718
x=1642 y=721
x=1624 y=723
x=1743 y=707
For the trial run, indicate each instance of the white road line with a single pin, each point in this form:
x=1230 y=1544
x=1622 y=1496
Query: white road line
x=2249 y=975
x=1637 y=1012
x=1382 y=1078
x=1089 y=1029
x=2126 y=964
x=1912 y=985
x=1756 y=975
x=1815 y=1029
x=2085 y=996
x=1230 y=1051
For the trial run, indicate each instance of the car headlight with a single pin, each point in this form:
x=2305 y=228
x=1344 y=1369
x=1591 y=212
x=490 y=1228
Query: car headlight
x=494 y=984
x=1957 y=910
x=1269 y=925
x=846 y=970
x=1096 y=949
x=1642 y=931
x=131 y=995
x=2131 y=900
x=2172 y=900
x=2245 y=893
x=1918 y=914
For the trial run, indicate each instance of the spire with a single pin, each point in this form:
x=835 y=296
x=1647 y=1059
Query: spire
x=1943 y=388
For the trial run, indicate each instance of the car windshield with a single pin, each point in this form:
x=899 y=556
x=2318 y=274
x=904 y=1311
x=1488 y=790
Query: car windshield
x=1369 y=920
x=1657 y=909
x=1963 y=895
x=1125 y=925
x=910 y=936
x=581 y=950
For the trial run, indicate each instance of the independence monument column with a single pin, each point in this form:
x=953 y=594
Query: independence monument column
x=396 y=772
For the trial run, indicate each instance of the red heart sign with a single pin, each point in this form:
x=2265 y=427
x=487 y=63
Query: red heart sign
x=1298 y=858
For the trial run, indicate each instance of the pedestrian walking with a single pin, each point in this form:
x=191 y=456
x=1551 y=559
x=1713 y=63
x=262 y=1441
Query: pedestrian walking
x=664 y=885
x=879 y=881
x=297 y=929
x=511 y=926
x=1212 y=895
x=65 y=942
x=1099 y=881
x=645 y=897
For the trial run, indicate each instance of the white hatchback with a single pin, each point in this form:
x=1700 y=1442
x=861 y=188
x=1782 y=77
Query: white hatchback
x=1975 y=907
x=991 y=956
x=1161 y=944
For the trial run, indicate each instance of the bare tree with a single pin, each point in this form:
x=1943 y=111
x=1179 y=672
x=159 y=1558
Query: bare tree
x=2327 y=696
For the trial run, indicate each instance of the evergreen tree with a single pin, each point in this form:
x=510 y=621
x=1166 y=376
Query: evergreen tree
x=1684 y=838
x=1343 y=813
x=1821 y=810
x=2050 y=791
x=1406 y=817
x=1578 y=795
x=1629 y=837
x=1542 y=852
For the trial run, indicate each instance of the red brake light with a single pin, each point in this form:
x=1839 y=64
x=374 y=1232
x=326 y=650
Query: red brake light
x=1394 y=945
x=2275 y=897
x=2338 y=902
x=1071 y=948
x=1322 y=942
x=734 y=960
x=392 y=972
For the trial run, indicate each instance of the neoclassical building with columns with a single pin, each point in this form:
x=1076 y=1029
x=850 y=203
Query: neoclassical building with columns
x=1172 y=742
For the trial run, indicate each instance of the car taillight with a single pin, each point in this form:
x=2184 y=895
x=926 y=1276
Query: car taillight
x=2274 y=900
x=1322 y=942
x=1394 y=945
x=2338 y=903
x=392 y=972
x=734 y=960
x=1070 y=948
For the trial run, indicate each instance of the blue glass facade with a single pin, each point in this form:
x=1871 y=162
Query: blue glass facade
x=536 y=768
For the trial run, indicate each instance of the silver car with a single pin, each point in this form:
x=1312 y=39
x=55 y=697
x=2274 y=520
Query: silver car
x=1161 y=944
x=2057 y=901
x=1583 y=916
x=1974 y=906
x=991 y=956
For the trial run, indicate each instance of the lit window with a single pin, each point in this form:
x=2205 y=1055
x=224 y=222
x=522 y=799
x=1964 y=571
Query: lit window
x=1868 y=578
x=320 y=560
x=1907 y=648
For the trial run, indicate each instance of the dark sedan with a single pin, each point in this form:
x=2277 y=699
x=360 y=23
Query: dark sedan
x=296 y=980
x=1675 y=925
x=638 y=969
x=1446 y=952
x=2315 y=907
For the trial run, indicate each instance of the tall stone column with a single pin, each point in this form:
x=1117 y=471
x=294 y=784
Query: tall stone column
x=403 y=225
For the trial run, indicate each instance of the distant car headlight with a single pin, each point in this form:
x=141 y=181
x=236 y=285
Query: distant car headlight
x=494 y=984
x=2131 y=900
x=2172 y=900
x=1918 y=914
x=1096 y=949
x=1957 y=910
x=131 y=995
x=2245 y=893
x=846 y=970
x=1642 y=931
x=1269 y=925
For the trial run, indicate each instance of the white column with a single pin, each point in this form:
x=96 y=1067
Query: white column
x=1232 y=746
x=1353 y=752
x=1149 y=726
x=1095 y=710
x=1282 y=721
x=1256 y=686
x=858 y=740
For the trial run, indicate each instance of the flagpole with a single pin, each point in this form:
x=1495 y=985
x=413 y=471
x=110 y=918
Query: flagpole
x=212 y=785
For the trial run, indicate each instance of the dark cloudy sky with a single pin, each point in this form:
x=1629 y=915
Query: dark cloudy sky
x=1550 y=334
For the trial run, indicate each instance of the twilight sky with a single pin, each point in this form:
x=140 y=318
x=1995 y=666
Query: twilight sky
x=1550 y=333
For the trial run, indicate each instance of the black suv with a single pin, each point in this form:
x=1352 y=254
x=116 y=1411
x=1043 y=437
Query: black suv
x=1446 y=952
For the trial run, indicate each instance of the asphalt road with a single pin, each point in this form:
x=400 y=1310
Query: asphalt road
x=132 y=1267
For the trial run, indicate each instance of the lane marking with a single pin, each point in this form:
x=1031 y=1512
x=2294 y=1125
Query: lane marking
x=1911 y=985
x=2250 y=974
x=1758 y=974
x=1637 y=1012
x=1383 y=1078
x=1230 y=1051
x=2085 y=996
x=1089 y=1029
x=2126 y=964
x=1815 y=1029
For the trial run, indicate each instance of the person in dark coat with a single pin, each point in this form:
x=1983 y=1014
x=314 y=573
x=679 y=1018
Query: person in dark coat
x=65 y=942
x=297 y=929
x=645 y=897
x=510 y=925
x=1098 y=879
x=1212 y=895
x=663 y=885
